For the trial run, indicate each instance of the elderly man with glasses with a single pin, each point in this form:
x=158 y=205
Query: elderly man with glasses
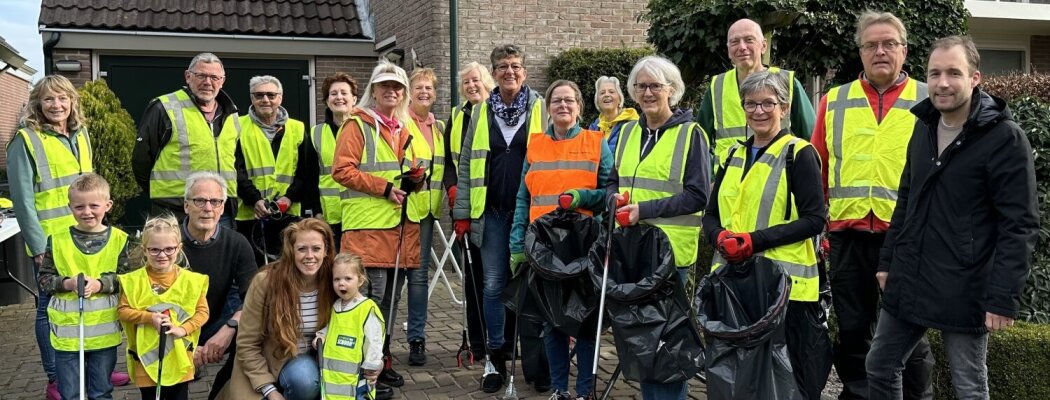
x=188 y=130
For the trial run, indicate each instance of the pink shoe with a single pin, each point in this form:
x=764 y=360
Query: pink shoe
x=52 y=391
x=119 y=378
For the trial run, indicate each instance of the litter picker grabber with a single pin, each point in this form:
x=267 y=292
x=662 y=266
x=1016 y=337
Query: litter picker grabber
x=80 y=299
x=512 y=391
x=400 y=242
x=160 y=355
x=464 y=346
x=489 y=367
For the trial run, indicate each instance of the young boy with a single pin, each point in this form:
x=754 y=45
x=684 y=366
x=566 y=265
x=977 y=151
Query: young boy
x=98 y=252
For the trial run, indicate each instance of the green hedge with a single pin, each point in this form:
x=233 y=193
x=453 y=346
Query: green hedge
x=112 y=137
x=1018 y=361
x=584 y=66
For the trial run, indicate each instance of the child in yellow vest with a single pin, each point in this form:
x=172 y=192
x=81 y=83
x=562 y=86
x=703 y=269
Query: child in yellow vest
x=352 y=354
x=162 y=295
x=98 y=252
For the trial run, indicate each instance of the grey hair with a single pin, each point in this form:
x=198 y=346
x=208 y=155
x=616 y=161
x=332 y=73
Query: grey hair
x=486 y=77
x=598 y=85
x=662 y=70
x=367 y=102
x=196 y=177
x=259 y=80
x=207 y=58
x=765 y=80
x=869 y=18
x=506 y=51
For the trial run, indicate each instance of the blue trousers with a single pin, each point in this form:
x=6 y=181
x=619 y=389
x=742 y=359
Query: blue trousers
x=300 y=379
x=418 y=280
x=495 y=258
x=557 y=344
x=99 y=366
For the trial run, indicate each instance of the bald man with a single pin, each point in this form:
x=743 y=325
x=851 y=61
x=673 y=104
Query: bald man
x=722 y=113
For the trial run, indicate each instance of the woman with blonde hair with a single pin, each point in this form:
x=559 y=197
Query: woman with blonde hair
x=287 y=302
x=612 y=115
x=376 y=163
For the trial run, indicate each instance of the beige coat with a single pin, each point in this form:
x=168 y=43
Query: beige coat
x=254 y=364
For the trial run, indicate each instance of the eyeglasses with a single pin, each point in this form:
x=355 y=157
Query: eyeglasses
x=215 y=203
x=513 y=67
x=210 y=77
x=767 y=106
x=268 y=95
x=569 y=101
x=656 y=88
x=889 y=45
x=168 y=251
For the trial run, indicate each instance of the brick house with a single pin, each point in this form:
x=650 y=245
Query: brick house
x=15 y=79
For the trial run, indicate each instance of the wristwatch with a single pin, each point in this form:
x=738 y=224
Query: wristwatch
x=232 y=323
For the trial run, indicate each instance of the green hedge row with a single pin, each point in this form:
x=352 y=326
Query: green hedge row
x=1018 y=361
x=584 y=66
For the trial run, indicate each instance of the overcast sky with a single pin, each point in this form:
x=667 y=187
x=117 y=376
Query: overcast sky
x=18 y=25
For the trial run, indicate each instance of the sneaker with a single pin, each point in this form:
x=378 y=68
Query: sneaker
x=541 y=387
x=492 y=380
x=391 y=378
x=120 y=378
x=52 y=391
x=583 y=397
x=559 y=395
x=417 y=352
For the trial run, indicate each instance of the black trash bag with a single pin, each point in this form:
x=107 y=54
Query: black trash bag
x=741 y=309
x=653 y=327
x=559 y=290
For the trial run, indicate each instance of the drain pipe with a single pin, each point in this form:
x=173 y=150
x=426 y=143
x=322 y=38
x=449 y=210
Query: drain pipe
x=453 y=70
x=49 y=47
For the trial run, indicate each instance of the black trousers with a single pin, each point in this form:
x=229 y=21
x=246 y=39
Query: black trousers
x=531 y=351
x=177 y=392
x=855 y=294
x=472 y=294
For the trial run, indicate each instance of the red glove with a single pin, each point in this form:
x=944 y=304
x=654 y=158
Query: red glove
x=452 y=197
x=415 y=174
x=722 y=237
x=283 y=204
x=825 y=247
x=625 y=201
x=737 y=247
x=462 y=227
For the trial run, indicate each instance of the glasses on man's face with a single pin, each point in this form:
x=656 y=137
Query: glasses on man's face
x=201 y=202
x=156 y=251
x=569 y=101
x=510 y=67
x=268 y=95
x=656 y=88
x=210 y=77
x=889 y=45
x=767 y=106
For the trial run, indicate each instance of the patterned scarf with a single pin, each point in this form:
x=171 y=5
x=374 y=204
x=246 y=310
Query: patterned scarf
x=509 y=114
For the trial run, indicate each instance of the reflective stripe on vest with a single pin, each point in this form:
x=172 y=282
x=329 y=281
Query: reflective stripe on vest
x=866 y=157
x=144 y=341
x=556 y=166
x=271 y=175
x=363 y=210
x=428 y=200
x=193 y=148
x=661 y=175
x=479 y=151
x=57 y=166
x=758 y=200
x=343 y=350
x=730 y=120
x=101 y=329
x=332 y=193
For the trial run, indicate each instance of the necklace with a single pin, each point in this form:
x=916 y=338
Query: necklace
x=946 y=125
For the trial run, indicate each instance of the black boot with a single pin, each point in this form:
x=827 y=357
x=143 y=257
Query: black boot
x=492 y=380
x=417 y=352
x=388 y=376
x=384 y=392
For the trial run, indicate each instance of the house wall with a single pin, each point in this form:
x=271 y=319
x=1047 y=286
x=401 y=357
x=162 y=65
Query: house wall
x=78 y=78
x=359 y=68
x=15 y=94
x=1040 y=54
x=553 y=26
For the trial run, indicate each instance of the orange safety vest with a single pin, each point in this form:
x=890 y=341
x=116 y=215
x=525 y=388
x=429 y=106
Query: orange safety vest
x=559 y=165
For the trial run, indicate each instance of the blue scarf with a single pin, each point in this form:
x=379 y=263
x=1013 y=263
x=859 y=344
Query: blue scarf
x=509 y=114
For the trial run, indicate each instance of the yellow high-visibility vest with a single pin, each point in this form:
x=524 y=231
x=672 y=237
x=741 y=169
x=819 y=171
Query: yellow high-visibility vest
x=428 y=200
x=332 y=192
x=343 y=351
x=730 y=120
x=144 y=340
x=479 y=150
x=365 y=211
x=270 y=175
x=758 y=200
x=56 y=168
x=661 y=174
x=865 y=156
x=455 y=134
x=193 y=148
x=101 y=329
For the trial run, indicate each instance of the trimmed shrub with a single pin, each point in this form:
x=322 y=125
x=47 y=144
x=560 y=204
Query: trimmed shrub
x=1032 y=115
x=112 y=137
x=1016 y=86
x=1018 y=359
x=584 y=66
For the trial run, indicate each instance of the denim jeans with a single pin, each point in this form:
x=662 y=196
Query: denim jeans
x=893 y=344
x=300 y=379
x=557 y=345
x=664 y=391
x=100 y=364
x=43 y=330
x=495 y=257
x=418 y=279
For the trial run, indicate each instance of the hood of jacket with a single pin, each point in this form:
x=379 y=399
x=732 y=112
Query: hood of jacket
x=985 y=112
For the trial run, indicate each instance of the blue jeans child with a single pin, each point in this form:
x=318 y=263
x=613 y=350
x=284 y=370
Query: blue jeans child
x=100 y=365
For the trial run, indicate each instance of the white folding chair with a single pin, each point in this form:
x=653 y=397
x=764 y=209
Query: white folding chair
x=439 y=262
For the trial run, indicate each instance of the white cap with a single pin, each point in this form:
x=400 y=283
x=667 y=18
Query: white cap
x=389 y=76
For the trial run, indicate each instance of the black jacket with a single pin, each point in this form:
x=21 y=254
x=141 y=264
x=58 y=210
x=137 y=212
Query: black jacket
x=965 y=223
